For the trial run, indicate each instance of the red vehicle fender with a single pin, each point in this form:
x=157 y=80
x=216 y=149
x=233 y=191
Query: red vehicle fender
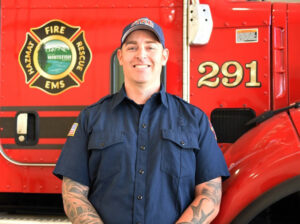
x=263 y=158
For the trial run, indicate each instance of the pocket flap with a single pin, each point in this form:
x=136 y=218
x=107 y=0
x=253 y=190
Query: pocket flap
x=102 y=139
x=184 y=140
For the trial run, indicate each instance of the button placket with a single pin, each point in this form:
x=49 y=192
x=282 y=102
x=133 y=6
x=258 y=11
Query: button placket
x=141 y=161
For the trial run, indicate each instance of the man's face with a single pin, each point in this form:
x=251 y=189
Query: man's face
x=142 y=57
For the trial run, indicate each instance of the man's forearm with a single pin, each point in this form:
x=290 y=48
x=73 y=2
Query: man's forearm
x=76 y=204
x=205 y=206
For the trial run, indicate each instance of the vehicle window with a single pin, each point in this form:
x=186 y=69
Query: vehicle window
x=116 y=74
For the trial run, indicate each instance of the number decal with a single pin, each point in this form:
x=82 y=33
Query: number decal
x=237 y=74
x=253 y=75
x=233 y=74
x=212 y=74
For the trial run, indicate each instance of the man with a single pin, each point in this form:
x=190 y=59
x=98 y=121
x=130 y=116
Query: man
x=141 y=155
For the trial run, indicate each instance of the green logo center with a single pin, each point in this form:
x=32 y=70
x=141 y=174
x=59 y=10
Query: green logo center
x=54 y=57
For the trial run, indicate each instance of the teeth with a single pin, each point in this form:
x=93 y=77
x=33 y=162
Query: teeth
x=141 y=66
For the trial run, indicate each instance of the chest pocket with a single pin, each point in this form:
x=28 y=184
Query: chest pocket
x=178 y=153
x=106 y=154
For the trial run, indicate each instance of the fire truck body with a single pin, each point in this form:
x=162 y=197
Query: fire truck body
x=57 y=58
x=264 y=165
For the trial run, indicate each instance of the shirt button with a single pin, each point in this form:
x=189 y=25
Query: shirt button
x=182 y=142
x=140 y=197
x=141 y=171
x=143 y=147
x=102 y=144
x=144 y=125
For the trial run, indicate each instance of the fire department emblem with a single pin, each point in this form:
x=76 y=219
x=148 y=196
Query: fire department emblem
x=55 y=57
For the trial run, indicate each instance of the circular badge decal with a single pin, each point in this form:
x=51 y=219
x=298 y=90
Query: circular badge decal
x=58 y=60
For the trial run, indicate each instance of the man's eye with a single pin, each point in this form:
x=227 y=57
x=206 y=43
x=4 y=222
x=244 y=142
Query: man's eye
x=131 y=48
x=151 y=47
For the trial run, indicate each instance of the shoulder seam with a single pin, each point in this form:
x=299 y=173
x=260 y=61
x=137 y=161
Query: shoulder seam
x=182 y=100
x=100 y=101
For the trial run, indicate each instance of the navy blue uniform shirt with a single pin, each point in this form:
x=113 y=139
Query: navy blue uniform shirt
x=141 y=163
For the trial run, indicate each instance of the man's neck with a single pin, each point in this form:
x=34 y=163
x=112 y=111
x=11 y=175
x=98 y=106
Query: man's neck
x=140 y=93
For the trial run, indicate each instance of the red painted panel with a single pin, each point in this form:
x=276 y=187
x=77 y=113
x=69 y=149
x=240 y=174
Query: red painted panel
x=247 y=62
x=295 y=114
x=29 y=179
x=102 y=23
x=293 y=52
x=103 y=29
x=230 y=13
x=130 y=4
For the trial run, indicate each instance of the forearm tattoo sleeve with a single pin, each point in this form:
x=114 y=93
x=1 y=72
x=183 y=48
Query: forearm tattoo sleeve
x=76 y=204
x=205 y=209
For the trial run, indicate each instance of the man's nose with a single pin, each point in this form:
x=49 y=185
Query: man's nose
x=141 y=53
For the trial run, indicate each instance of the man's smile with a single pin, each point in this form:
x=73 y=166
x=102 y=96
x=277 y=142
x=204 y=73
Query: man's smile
x=141 y=66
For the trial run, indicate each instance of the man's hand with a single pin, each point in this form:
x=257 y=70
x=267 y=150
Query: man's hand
x=76 y=204
x=206 y=204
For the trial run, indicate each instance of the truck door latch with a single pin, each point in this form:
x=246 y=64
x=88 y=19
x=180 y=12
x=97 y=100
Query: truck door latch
x=27 y=125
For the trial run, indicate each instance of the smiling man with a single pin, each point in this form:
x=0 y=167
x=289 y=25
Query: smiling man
x=142 y=57
x=141 y=155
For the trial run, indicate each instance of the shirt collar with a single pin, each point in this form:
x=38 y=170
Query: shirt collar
x=121 y=95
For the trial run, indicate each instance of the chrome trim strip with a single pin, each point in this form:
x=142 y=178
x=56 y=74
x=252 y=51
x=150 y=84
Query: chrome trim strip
x=5 y=156
x=186 y=54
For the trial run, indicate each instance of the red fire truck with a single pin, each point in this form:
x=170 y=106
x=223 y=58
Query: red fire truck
x=235 y=59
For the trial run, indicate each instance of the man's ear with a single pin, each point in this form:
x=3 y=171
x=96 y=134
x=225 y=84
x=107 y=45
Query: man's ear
x=165 y=56
x=119 y=55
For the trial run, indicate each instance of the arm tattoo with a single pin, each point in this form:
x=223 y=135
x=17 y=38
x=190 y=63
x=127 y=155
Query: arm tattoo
x=197 y=218
x=211 y=191
x=76 y=204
